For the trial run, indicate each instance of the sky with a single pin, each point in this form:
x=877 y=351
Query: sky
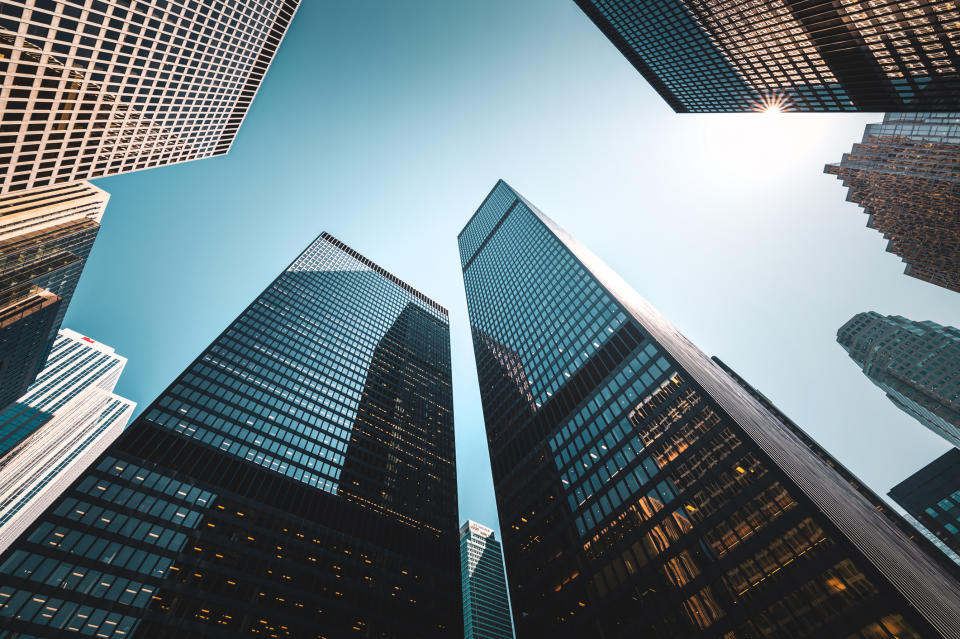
x=387 y=123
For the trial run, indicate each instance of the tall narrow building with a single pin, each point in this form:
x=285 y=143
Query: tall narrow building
x=296 y=480
x=932 y=496
x=93 y=88
x=710 y=56
x=69 y=416
x=905 y=174
x=486 y=606
x=641 y=490
x=914 y=363
x=45 y=238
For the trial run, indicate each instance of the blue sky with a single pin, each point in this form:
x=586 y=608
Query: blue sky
x=387 y=123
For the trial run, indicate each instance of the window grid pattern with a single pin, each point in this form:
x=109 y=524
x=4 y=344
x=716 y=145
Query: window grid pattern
x=93 y=88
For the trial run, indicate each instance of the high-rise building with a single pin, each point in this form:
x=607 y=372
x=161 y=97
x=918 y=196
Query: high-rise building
x=75 y=417
x=296 y=480
x=815 y=55
x=93 y=88
x=914 y=363
x=905 y=174
x=641 y=490
x=932 y=495
x=76 y=363
x=936 y=541
x=918 y=534
x=45 y=238
x=486 y=607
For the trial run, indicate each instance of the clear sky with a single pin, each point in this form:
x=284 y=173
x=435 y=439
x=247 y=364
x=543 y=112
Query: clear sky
x=386 y=123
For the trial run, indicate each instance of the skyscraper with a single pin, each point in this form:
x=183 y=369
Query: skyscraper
x=74 y=416
x=906 y=176
x=76 y=363
x=918 y=534
x=94 y=88
x=486 y=608
x=641 y=490
x=914 y=363
x=296 y=480
x=45 y=237
x=932 y=495
x=712 y=56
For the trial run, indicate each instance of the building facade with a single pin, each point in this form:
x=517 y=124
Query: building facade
x=76 y=363
x=297 y=479
x=486 y=606
x=45 y=238
x=914 y=363
x=932 y=496
x=93 y=88
x=712 y=56
x=905 y=174
x=641 y=490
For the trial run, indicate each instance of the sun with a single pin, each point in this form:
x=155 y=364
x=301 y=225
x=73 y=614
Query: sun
x=773 y=104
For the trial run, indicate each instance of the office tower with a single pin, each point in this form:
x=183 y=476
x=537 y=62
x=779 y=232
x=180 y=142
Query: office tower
x=913 y=363
x=932 y=496
x=45 y=237
x=36 y=471
x=933 y=539
x=641 y=490
x=486 y=608
x=76 y=362
x=905 y=174
x=94 y=88
x=296 y=480
x=909 y=528
x=711 y=56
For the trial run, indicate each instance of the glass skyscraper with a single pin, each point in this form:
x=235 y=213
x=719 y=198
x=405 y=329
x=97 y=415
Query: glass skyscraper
x=94 y=88
x=63 y=423
x=45 y=238
x=932 y=495
x=914 y=363
x=906 y=176
x=486 y=607
x=296 y=480
x=641 y=490
x=811 y=55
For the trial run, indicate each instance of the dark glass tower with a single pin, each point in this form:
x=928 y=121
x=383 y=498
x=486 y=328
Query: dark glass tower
x=296 y=480
x=803 y=55
x=932 y=496
x=914 y=363
x=486 y=607
x=906 y=176
x=641 y=490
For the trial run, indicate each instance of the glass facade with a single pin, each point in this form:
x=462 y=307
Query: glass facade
x=858 y=55
x=905 y=174
x=932 y=496
x=296 y=480
x=45 y=238
x=914 y=363
x=486 y=607
x=641 y=489
x=94 y=88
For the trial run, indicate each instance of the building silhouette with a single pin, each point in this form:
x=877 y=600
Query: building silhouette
x=239 y=502
x=710 y=56
x=649 y=493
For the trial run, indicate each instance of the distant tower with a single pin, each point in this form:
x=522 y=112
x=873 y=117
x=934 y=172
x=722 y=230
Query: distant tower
x=486 y=608
x=45 y=237
x=932 y=495
x=906 y=176
x=643 y=492
x=915 y=363
x=94 y=88
x=711 y=56
x=69 y=416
